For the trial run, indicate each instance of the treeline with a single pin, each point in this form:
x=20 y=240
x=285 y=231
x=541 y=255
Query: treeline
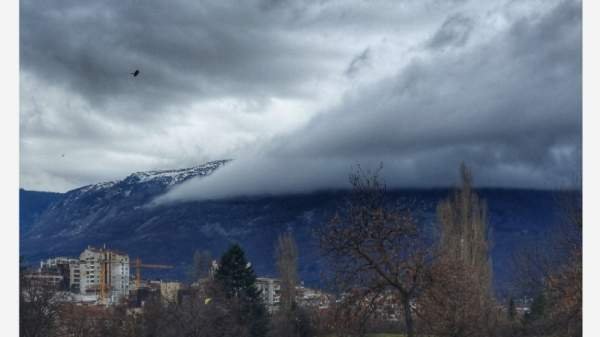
x=382 y=259
x=387 y=275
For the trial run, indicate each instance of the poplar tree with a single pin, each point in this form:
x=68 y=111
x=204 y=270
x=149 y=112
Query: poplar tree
x=464 y=230
x=287 y=265
x=459 y=301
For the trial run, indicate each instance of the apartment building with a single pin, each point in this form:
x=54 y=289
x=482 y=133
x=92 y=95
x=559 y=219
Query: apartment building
x=270 y=290
x=104 y=270
x=59 y=266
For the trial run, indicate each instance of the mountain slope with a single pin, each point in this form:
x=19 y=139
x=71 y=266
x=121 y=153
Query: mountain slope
x=111 y=213
x=32 y=205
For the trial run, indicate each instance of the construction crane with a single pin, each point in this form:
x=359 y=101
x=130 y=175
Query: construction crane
x=105 y=272
x=139 y=265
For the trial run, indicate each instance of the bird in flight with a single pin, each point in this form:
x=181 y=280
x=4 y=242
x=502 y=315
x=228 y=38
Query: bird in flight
x=135 y=73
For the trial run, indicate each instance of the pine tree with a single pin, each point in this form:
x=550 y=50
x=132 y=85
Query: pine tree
x=237 y=280
x=538 y=308
x=512 y=310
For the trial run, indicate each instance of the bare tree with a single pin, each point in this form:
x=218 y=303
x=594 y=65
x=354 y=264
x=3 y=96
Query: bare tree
x=201 y=264
x=375 y=245
x=202 y=313
x=287 y=265
x=291 y=319
x=95 y=321
x=459 y=301
x=564 y=286
x=39 y=305
x=75 y=321
x=464 y=230
x=551 y=271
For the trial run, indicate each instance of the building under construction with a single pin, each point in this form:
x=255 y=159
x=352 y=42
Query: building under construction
x=64 y=270
x=99 y=275
x=104 y=272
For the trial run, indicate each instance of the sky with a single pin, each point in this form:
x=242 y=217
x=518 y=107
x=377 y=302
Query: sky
x=300 y=93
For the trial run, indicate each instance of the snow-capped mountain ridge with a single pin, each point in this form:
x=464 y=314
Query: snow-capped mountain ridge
x=163 y=177
x=175 y=176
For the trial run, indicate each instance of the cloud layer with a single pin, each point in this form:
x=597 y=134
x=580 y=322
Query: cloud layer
x=298 y=94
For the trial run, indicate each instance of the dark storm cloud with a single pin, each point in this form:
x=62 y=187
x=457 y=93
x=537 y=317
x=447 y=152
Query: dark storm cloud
x=358 y=62
x=509 y=105
x=453 y=32
x=299 y=92
x=185 y=50
x=213 y=73
x=521 y=87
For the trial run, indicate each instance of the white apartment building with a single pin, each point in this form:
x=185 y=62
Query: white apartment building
x=111 y=267
x=270 y=290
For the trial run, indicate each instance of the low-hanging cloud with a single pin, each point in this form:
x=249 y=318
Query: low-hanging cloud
x=217 y=77
x=508 y=103
x=299 y=92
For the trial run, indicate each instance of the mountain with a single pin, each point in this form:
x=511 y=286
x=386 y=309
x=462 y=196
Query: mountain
x=112 y=213
x=32 y=204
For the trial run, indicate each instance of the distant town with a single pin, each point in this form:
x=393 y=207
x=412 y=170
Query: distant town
x=102 y=276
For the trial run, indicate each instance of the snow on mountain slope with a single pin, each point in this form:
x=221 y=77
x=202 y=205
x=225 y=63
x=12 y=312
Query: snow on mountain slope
x=166 y=178
x=96 y=206
x=173 y=177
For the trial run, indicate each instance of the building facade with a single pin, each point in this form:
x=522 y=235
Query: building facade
x=75 y=277
x=104 y=272
x=270 y=290
x=169 y=291
x=60 y=266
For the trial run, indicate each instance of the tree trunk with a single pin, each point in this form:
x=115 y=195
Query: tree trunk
x=408 y=320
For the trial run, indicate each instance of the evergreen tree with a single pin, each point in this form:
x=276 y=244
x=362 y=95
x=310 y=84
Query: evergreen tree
x=512 y=310
x=237 y=280
x=538 y=308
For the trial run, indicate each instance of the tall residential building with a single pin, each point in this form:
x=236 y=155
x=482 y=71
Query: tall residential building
x=104 y=268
